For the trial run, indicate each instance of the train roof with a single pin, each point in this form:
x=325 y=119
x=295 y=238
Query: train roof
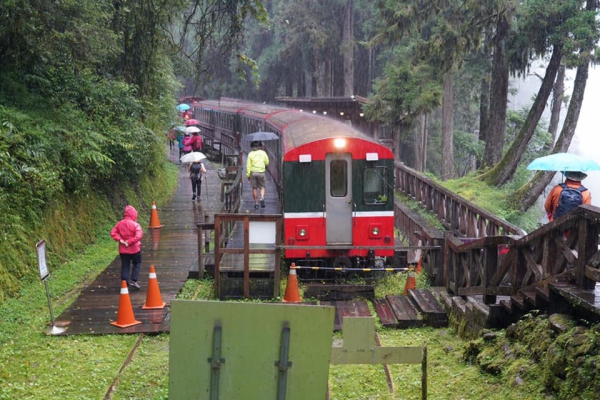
x=296 y=126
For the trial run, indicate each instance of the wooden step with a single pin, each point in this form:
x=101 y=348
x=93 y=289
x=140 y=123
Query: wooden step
x=385 y=313
x=358 y=308
x=543 y=293
x=405 y=311
x=530 y=298
x=518 y=300
x=507 y=304
x=428 y=305
x=333 y=292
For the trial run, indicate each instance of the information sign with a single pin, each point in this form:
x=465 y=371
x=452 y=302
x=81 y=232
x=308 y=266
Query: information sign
x=41 y=253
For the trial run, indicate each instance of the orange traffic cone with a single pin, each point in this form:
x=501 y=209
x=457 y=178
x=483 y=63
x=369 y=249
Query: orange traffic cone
x=419 y=266
x=125 y=317
x=291 y=290
x=154 y=222
x=411 y=282
x=153 y=298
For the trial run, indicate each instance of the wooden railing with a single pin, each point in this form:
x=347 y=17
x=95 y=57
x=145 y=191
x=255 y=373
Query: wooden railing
x=231 y=184
x=416 y=232
x=563 y=250
x=457 y=214
x=224 y=226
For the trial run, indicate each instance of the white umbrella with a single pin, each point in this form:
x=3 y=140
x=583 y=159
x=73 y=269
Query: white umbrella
x=192 y=157
x=192 y=129
x=259 y=137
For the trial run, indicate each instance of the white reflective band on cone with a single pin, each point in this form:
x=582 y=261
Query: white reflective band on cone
x=152 y=275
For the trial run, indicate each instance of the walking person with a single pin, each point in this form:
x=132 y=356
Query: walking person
x=256 y=164
x=180 y=143
x=197 y=170
x=128 y=233
x=196 y=141
x=187 y=144
x=568 y=195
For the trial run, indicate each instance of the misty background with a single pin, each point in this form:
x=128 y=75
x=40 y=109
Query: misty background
x=586 y=141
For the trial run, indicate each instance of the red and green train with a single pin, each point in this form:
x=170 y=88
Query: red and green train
x=335 y=183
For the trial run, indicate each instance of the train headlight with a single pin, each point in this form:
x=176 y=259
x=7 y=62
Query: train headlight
x=339 y=143
x=302 y=232
x=375 y=231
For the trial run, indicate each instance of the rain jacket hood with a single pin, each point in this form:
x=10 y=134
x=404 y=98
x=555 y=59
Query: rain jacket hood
x=130 y=213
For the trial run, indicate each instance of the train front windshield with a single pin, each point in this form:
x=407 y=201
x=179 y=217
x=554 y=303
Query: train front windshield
x=375 y=187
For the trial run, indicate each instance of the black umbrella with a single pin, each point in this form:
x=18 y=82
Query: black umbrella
x=259 y=137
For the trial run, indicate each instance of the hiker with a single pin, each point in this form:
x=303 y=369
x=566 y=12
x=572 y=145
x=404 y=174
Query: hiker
x=568 y=195
x=129 y=233
x=196 y=141
x=255 y=171
x=187 y=143
x=180 y=143
x=196 y=170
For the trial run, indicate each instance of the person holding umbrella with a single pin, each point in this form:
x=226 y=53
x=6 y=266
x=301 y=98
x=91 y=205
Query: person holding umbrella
x=197 y=170
x=568 y=195
x=256 y=163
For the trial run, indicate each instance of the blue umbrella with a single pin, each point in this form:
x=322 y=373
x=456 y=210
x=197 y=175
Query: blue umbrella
x=183 y=107
x=564 y=162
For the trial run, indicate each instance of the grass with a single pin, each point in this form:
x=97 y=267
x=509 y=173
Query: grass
x=36 y=366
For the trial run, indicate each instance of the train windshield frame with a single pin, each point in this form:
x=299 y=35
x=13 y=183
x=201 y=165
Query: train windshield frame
x=375 y=185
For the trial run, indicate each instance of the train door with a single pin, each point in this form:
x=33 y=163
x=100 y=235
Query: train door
x=338 y=198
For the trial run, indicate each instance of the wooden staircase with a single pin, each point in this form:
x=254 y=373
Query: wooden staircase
x=419 y=308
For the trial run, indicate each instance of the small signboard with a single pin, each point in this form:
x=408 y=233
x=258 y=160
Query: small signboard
x=231 y=350
x=41 y=253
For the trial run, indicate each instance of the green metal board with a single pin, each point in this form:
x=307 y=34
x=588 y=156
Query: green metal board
x=250 y=337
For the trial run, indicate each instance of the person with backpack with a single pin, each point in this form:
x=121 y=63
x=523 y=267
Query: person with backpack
x=567 y=196
x=196 y=142
x=196 y=170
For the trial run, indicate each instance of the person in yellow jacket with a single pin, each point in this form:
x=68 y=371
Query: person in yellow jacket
x=256 y=164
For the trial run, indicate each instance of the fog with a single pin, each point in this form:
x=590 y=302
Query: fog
x=586 y=141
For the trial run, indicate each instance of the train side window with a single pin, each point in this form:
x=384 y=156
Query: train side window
x=375 y=188
x=338 y=181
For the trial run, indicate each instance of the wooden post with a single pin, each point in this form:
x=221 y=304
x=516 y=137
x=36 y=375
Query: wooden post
x=200 y=255
x=246 y=257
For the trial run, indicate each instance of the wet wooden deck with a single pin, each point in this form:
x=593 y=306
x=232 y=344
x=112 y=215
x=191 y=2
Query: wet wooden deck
x=172 y=250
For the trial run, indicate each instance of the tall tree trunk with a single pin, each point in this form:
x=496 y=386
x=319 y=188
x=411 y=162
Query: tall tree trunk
x=558 y=94
x=348 y=49
x=448 y=128
x=498 y=95
x=503 y=171
x=484 y=110
x=527 y=194
x=421 y=143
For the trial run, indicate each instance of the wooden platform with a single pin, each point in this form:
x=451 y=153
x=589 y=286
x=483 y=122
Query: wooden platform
x=172 y=250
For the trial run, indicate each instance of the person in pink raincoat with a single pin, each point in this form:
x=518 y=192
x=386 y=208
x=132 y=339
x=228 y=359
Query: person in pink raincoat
x=129 y=233
x=187 y=143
